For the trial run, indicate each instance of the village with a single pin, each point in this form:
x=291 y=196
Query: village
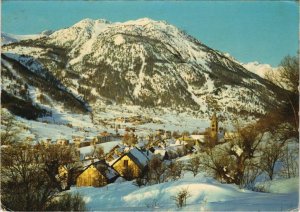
x=107 y=156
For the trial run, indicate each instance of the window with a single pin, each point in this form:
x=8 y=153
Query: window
x=125 y=163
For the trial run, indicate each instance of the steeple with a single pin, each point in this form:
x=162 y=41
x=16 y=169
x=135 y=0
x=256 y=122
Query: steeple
x=214 y=128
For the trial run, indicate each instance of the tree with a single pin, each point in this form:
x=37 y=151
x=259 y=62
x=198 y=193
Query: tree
x=287 y=77
x=185 y=133
x=57 y=156
x=24 y=185
x=289 y=73
x=271 y=154
x=67 y=202
x=156 y=171
x=99 y=152
x=180 y=197
x=175 y=134
x=231 y=161
x=174 y=170
x=218 y=163
x=10 y=128
x=193 y=165
x=130 y=139
x=243 y=147
x=290 y=165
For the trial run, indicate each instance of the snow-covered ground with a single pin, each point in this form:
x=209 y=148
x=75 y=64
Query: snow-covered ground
x=65 y=125
x=206 y=195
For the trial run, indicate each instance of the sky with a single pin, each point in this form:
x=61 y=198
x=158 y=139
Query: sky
x=263 y=31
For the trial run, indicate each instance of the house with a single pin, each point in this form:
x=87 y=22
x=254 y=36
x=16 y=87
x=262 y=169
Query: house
x=115 y=153
x=104 y=137
x=97 y=174
x=160 y=152
x=134 y=160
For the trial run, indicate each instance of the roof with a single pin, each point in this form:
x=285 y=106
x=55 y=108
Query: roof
x=136 y=155
x=108 y=172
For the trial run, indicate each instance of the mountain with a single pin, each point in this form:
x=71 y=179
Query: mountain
x=7 y=38
x=141 y=62
x=260 y=69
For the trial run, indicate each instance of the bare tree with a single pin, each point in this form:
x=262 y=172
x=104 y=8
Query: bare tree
x=156 y=171
x=290 y=165
x=55 y=157
x=287 y=77
x=98 y=152
x=251 y=172
x=180 y=197
x=228 y=163
x=174 y=170
x=130 y=139
x=218 y=163
x=24 y=186
x=271 y=154
x=193 y=165
x=10 y=128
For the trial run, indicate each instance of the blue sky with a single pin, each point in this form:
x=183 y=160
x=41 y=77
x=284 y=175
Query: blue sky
x=250 y=31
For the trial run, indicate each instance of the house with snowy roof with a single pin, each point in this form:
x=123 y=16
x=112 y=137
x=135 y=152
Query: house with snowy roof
x=134 y=161
x=160 y=152
x=97 y=174
x=115 y=152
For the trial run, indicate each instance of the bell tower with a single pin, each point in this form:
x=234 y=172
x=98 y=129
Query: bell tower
x=214 y=128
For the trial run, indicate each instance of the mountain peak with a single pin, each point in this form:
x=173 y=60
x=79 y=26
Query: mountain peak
x=87 y=22
x=141 y=21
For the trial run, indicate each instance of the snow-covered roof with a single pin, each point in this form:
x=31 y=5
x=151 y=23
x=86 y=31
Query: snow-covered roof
x=198 y=137
x=106 y=170
x=141 y=157
x=135 y=155
x=160 y=151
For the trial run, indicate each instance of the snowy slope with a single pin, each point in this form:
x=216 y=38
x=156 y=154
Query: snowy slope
x=206 y=195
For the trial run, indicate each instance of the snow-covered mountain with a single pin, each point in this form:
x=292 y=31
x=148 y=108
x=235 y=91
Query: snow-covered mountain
x=141 y=62
x=7 y=38
x=260 y=69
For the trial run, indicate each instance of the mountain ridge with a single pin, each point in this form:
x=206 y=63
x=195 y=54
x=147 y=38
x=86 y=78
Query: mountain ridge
x=148 y=63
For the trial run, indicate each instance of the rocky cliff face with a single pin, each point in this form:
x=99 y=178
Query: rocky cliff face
x=143 y=62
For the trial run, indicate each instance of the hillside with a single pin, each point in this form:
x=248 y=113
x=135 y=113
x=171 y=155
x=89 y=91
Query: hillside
x=142 y=62
x=206 y=195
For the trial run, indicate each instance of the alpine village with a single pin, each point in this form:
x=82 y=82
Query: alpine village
x=139 y=115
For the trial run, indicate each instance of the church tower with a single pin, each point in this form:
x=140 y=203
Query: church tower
x=214 y=128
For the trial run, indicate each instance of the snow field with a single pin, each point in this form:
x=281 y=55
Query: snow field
x=206 y=194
